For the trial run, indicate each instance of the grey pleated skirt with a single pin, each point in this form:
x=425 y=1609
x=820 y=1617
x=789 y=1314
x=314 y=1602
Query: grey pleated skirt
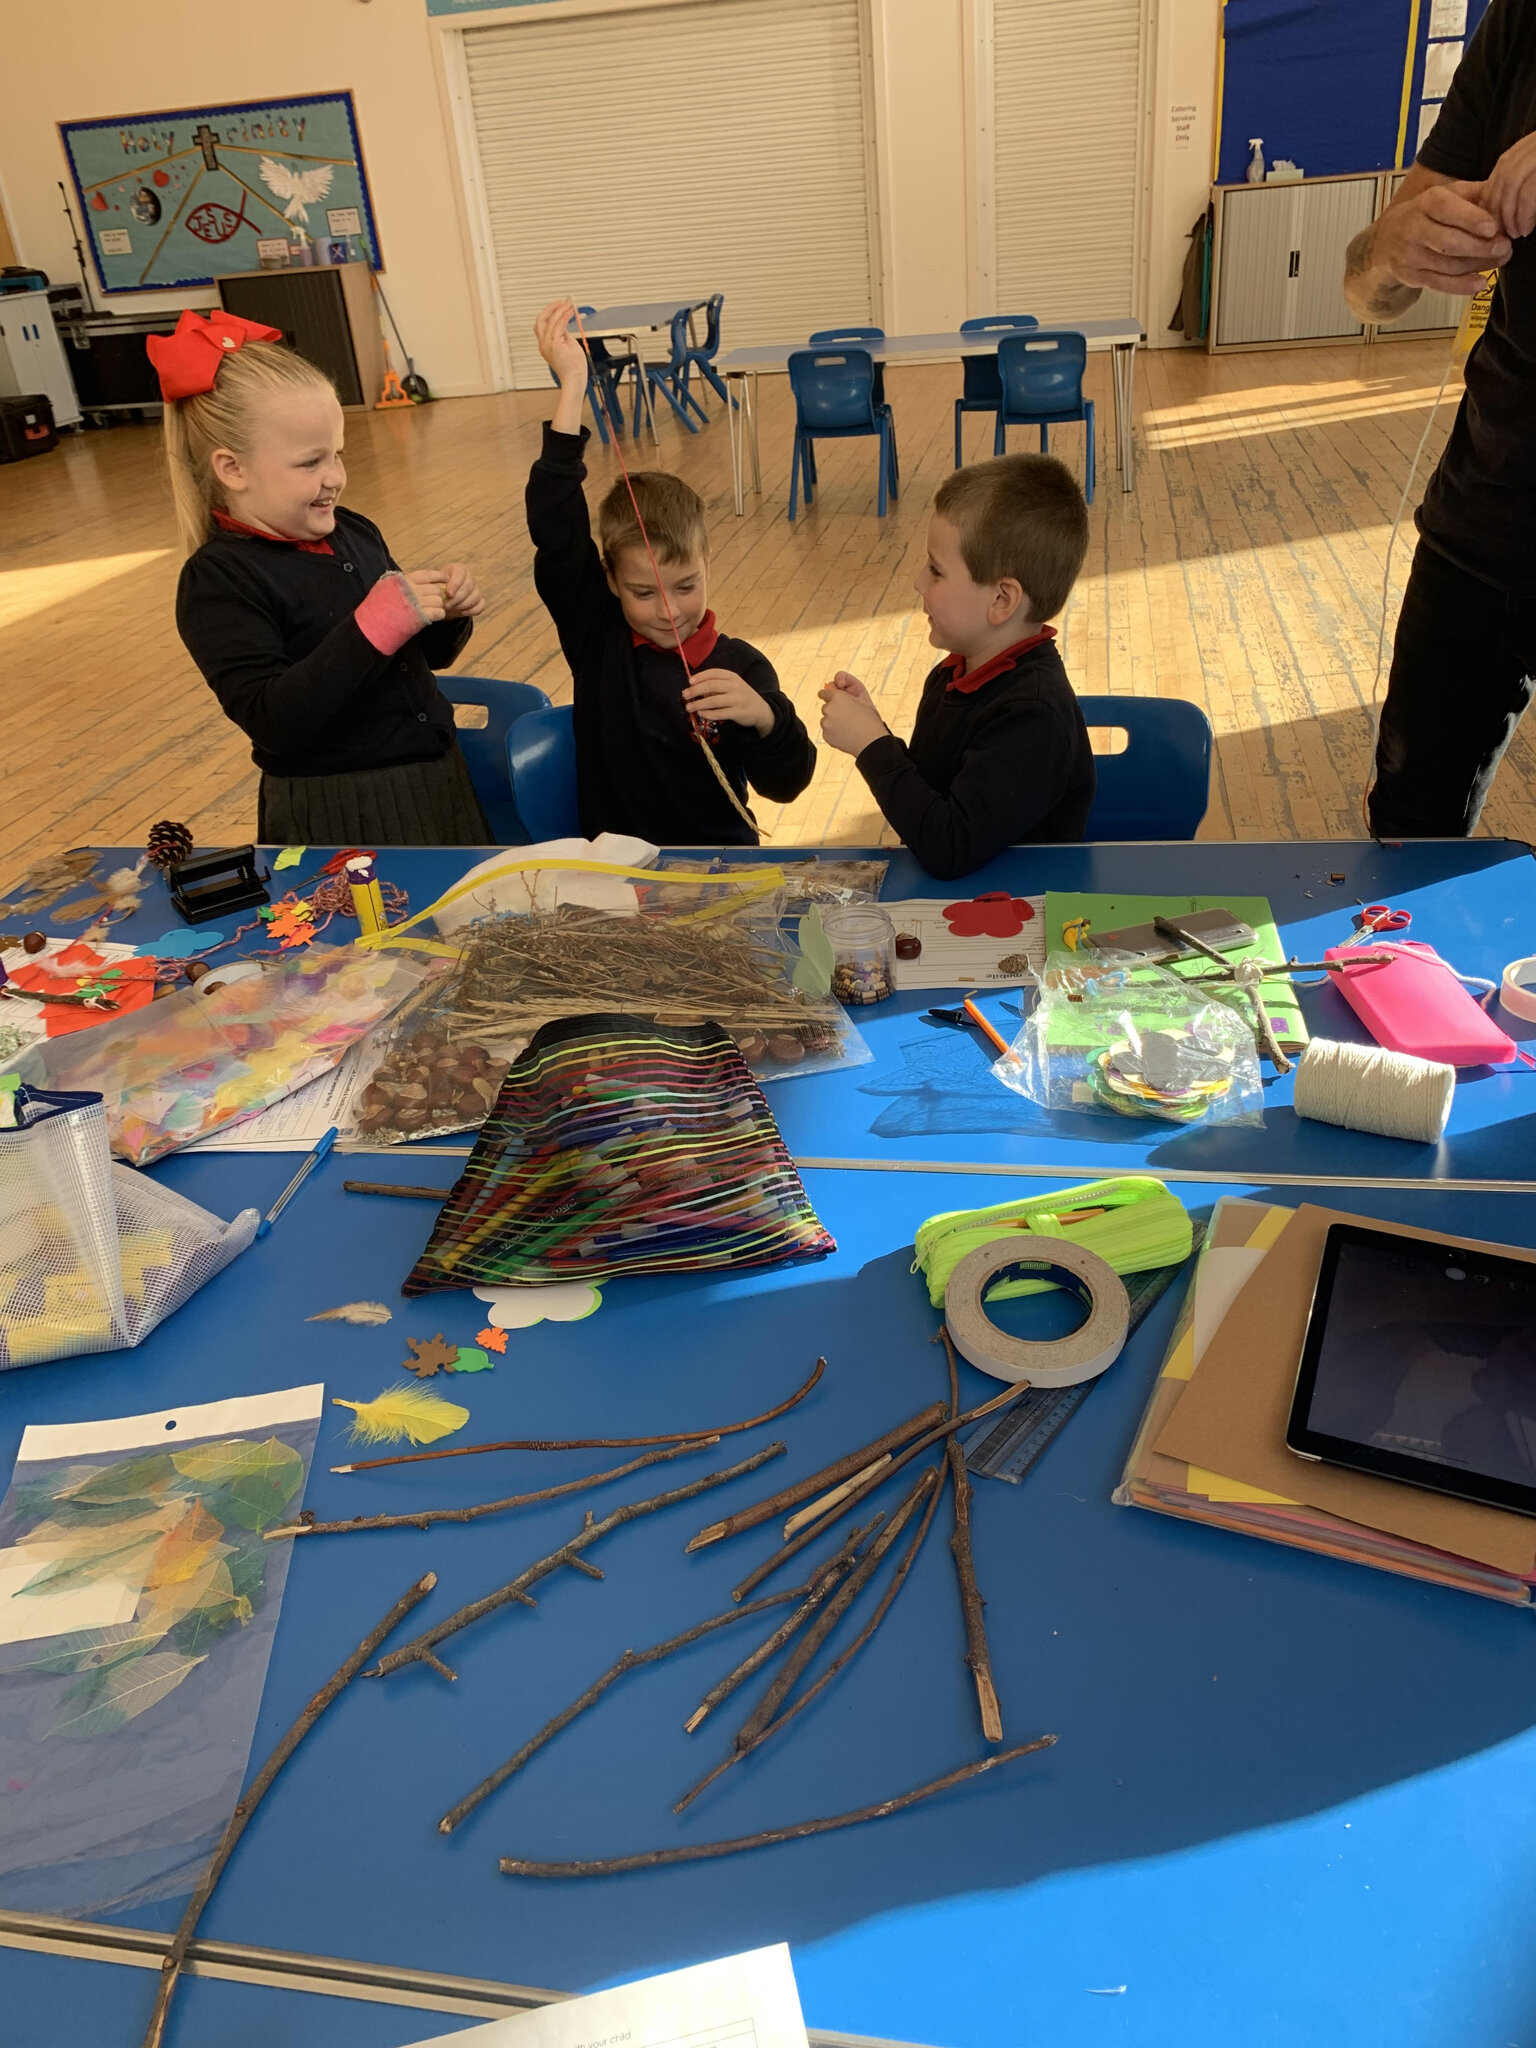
x=421 y=803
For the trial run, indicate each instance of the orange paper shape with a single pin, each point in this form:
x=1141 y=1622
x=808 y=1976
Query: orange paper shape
x=131 y=984
x=491 y=1339
x=292 y=924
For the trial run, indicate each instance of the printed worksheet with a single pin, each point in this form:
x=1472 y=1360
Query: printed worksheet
x=746 y=2001
x=994 y=941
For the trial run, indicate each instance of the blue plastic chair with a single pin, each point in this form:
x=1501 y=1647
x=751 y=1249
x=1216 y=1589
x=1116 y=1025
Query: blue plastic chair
x=834 y=401
x=485 y=747
x=671 y=377
x=1042 y=378
x=541 y=767
x=829 y=337
x=983 y=389
x=1160 y=786
x=702 y=358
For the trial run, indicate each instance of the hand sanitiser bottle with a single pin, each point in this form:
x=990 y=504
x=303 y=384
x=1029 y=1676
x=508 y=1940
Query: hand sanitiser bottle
x=1255 y=171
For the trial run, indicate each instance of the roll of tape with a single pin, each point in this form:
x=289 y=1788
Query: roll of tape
x=1064 y=1362
x=1517 y=991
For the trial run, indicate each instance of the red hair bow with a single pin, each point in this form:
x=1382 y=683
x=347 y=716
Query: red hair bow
x=188 y=360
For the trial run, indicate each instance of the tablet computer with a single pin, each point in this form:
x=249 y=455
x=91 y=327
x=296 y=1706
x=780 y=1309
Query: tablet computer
x=1420 y=1364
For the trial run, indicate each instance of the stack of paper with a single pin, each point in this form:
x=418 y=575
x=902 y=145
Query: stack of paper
x=1115 y=913
x=1211 y=1446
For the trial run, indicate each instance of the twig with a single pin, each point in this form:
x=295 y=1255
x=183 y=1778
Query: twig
x=425 y=1517
x=797 y=1543
x=978 y=1655
x=852 y=1466
x=651 y=1859
x=815 y=1509
x=420 y=1649
x=596 y=1443
x=1269 y=1044
x=176 y=1954
x=761 y=1722
x=629 y=1661
x=390 y=1187
x=816 y=1590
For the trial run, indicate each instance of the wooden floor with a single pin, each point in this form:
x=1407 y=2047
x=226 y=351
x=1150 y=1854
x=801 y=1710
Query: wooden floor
x=1245 y=574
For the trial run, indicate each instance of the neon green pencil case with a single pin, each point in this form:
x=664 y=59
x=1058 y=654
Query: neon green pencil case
x=1133 y=1223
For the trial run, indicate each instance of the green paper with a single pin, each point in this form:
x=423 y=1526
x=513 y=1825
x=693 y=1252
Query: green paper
x=1113 y=913
x=813 y=970
x=290 y=856
x=472 y=1359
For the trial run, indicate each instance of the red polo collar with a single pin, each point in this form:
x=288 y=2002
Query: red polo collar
x=965 y=684
x=697 y=648
x=305 y=547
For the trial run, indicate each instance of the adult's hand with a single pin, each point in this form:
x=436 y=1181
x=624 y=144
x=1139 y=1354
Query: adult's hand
x=1510 y=193
x=1440 y=238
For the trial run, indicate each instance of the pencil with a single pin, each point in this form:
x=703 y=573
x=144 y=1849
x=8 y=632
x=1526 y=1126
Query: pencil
x=996 y=1036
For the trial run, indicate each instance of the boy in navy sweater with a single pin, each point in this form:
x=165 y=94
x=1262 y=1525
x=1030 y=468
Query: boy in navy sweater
x=999 y=753
x=640 y=764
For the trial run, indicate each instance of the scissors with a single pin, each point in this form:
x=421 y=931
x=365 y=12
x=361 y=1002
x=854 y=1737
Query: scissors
x=1378 y=917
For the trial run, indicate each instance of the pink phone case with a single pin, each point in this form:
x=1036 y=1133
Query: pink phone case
x=1413 y=1003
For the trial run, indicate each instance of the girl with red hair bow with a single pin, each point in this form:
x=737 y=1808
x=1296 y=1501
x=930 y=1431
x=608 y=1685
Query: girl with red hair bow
x=314 y=642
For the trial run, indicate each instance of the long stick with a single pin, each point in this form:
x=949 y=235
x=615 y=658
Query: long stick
x=651 y=1859
x=391 y=1187
x=797 y=1543
x=978 y=1654
x=425 y=1517
x=805 y=1489
x=824 y=1579
x=748 y=1738
x=419 y=1650
x=819 y=1586
x=596 y=1443
x=176 y=1954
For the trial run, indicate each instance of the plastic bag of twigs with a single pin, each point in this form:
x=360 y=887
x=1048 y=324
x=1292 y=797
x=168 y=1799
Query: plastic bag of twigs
x=820 y=881
x=652 y=951
x=1131 y=1040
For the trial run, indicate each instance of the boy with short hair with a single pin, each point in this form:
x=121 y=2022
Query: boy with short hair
x=999 y=753
x=640 y=766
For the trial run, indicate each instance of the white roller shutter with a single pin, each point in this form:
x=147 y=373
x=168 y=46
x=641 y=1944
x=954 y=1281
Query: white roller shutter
x=1066 y=117
x=717 y=146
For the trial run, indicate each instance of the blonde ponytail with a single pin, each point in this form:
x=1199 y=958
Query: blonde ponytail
x=221 y=418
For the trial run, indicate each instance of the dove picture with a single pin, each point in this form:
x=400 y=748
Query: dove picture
x=299 y=188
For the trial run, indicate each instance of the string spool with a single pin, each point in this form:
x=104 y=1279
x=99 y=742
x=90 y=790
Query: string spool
x=1369 y=1088
x=1517 y=990
x=1062 y=1362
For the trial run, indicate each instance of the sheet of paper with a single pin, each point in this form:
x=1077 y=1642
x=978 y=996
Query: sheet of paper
x=746 y=2001
x=1440 y=61
x=1224 y=1272
x=1447 y=18
x=951 y=961
x=294 y=1124
x=26 y=1616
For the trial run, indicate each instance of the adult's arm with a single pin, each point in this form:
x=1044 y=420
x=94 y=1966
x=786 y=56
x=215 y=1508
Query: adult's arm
x=1437 y=235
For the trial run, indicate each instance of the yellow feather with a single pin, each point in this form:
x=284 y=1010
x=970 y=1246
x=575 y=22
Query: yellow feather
x=408 y=1411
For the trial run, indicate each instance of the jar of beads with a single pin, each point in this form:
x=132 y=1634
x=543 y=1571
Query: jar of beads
x=863 y=942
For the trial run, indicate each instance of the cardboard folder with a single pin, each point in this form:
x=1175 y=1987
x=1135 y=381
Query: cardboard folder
x=1232 y=1416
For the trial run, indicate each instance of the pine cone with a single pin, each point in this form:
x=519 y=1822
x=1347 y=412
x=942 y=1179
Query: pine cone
x=168 y=843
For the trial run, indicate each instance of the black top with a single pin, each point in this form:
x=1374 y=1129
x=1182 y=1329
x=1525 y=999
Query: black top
x=1480 y=507
x=1007 y=764
x=270 y=625
x=639 y=767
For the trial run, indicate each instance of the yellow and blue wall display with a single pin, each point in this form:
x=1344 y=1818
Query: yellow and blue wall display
x=179 y=198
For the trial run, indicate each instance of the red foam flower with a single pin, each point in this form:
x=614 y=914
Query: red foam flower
x=996 y=915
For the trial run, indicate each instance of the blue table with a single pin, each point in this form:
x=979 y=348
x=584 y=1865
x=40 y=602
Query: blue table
x=1291 y=1801
x=1120 y=338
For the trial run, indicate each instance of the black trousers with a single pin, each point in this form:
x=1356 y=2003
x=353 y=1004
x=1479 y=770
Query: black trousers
x=1463 y=672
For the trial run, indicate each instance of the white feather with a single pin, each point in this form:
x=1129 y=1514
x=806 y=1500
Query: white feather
x=299 y=188
x=353 y=1312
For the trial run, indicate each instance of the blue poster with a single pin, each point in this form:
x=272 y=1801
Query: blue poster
x=181 y=198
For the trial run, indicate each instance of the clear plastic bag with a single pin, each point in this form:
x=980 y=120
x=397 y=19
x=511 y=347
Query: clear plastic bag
x=820 y=881
x=195 y=1063
x=1130 y=1040
x=92 y=1255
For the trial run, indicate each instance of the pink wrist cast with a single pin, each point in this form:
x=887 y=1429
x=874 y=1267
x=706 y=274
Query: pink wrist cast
x=389 y=615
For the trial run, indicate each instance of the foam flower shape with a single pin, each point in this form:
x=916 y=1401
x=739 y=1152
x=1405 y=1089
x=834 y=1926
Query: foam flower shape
x=519 y=1308
x=996 y=915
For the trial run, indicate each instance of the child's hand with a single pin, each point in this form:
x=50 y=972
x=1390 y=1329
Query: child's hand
x=849 y=720
x=720 y=693
x=559 y=347
x=462 y=599
x=428 y=589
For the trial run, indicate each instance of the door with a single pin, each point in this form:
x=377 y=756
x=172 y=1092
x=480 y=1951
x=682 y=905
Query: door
x=635 y=157
x=1329 y=215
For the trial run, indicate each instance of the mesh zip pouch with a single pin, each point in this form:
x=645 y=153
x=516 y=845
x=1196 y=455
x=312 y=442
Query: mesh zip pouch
x=92 y=1256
